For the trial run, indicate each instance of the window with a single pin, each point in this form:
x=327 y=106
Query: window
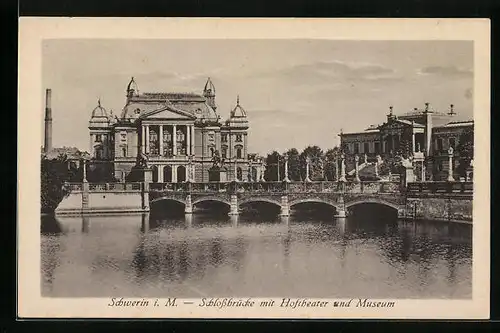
x=223 y=137
x=224 y=151
x=238 y=152
x=239 y=138
x=98 y=138
x=366 y=147
x=124 y=151
x=212 y=151
x=180 y=136
x=239 y=173
x=377 y=147
x=356 y=148
x=440 y=144
x=451 y=142
x=440 y=166
x=167 y=137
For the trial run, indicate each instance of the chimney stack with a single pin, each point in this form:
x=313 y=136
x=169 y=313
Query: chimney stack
x=47 y=146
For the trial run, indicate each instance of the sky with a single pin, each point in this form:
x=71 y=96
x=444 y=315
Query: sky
x=295 y=92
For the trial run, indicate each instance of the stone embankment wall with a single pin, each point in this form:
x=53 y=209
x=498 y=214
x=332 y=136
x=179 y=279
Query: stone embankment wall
x=451 y=208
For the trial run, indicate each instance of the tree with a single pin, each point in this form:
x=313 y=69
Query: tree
x=293 y=164
x=273 y=160
x=465 y=150
x=315 y=155
x=54 y=174
x=332 y=158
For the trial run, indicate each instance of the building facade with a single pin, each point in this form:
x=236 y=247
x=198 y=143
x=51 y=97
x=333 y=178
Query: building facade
x=179 y=135
x=422 y=135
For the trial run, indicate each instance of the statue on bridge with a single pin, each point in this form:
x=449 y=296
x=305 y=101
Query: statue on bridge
x=142 y=160
x=217 y=160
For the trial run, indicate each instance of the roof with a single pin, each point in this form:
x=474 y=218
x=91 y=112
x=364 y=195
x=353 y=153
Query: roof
x=465 y=123
x=99 y=111
x=407 y=122
x=367 y=131
x=70 y=152
x=238 y=111
x=209 y=89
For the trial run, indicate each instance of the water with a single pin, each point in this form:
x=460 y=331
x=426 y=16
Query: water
x=299 y=256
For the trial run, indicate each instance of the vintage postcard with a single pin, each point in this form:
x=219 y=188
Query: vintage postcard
x=254 y=168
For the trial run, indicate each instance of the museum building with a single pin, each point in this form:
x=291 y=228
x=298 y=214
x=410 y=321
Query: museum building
x=423 y=135
x=180 y=136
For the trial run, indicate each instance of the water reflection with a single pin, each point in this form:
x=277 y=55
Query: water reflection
x=294 y=256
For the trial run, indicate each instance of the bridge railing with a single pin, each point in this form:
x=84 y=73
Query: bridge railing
x=440 y=187
x=105 y=187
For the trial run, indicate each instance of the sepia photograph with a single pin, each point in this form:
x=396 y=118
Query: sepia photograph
x=304 y=174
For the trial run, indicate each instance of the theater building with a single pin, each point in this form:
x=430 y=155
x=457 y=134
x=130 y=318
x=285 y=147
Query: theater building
x=180 y=136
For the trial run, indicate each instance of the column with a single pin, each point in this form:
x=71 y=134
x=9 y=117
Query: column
x=286 y=169
x=161 y=139
x=147 y=139
x=356 y=167
x=160 y=173
x=174 y=138
x=174 y=173
x=192 y=139
x=188 y=140
x=450 y=165
x=143 y=139
x=336 y=169
x=413 y=141
x=376 y=169
x=342 y=169
x=308 y=160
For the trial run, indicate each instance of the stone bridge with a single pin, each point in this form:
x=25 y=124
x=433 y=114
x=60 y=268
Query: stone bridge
x=339 y=195
x=417 y=200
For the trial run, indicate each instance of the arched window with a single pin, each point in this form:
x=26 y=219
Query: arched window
x=239 y=173
x=224 y=151
x=212 y=151
x=124 y=151
x=155 y=173
x=239 y=151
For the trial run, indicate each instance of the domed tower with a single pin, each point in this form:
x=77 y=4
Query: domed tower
x=237 y=127
x=100 y=133
x=209 y=94
x=238 y=116
x=132 y=89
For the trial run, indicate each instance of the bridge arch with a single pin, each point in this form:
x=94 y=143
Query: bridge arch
x=211 y=198
x=168 y=199
x=373 y=201
x=257 y=199
x=312 y=200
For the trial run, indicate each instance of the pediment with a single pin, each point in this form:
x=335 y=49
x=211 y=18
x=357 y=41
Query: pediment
x=169 y=113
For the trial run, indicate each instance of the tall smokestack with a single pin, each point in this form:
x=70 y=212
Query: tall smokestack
x=47 y=146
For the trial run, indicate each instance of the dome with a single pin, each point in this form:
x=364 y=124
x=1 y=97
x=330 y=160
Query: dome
x=132 y=85
x=238 y=111
x=99 y=111
x=209 y=87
